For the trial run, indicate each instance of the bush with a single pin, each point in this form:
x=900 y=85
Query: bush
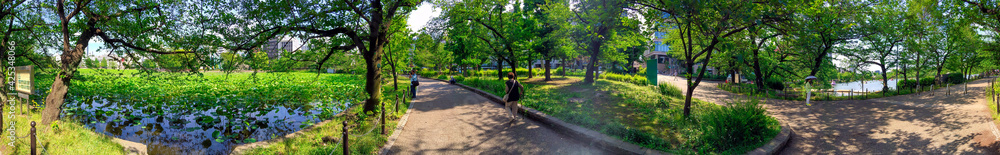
x=427 y=73
x=911 y=84
x=634 y=79
x=459 y=78
x=954 y=78
x=670 y=90
x=442 y=77
x=775 y=84
x=738 y=127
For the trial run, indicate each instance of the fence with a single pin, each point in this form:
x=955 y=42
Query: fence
x=345 y=136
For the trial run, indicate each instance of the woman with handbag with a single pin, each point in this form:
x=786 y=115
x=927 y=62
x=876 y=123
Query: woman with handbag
x=512 y=95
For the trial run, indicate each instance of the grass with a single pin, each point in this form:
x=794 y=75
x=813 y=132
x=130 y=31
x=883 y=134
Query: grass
x=989 y=92
x=325 y=138
x=636 y=114
x=66 y=137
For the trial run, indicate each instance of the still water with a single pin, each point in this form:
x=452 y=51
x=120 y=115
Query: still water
x=182 y=129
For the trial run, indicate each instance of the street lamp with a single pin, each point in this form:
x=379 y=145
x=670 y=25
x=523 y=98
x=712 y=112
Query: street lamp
x=412 y=46
x=808 y=89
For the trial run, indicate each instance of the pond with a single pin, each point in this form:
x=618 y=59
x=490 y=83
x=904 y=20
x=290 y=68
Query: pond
x=861 y=86
x=195 y=127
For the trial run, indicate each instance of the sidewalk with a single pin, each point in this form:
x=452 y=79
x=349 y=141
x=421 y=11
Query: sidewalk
x=448 y=119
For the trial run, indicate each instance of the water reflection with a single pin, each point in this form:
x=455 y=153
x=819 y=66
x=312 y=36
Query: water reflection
x=181 y=128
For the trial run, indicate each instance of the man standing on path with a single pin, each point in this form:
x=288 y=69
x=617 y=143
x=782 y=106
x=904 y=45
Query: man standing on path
x=413 y=84
x=513 y=95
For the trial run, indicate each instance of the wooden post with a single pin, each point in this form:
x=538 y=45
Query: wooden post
x=948 y=87
x=851 y=94
x=382 y=124
x=396 y=107
x=346 y=150
x=33 y=139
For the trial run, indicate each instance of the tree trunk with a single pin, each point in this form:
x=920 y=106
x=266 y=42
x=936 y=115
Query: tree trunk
x=499 y=68
x=70 y=59
x=531 y=64
x=563 y=65
x=885 y=79
x=757 y=72
x=548 y=73
x=595 y=51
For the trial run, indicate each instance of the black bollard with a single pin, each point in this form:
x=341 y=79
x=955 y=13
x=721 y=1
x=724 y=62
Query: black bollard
x=33 y=139
x=346 y=150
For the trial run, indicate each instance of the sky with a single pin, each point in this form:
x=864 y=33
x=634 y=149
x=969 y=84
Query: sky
x=424 y=13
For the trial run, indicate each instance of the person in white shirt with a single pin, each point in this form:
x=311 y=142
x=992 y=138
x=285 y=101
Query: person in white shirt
x=413 y=84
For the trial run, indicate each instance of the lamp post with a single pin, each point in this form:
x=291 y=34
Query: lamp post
x=808 y=89
x=412 y=46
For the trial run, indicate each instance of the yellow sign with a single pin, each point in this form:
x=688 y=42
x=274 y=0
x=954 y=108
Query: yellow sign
x=25 y=82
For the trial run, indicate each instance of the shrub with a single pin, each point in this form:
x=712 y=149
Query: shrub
x=775 y=84
x=911 y=84
x=738 y=127
x=459 y=78
x=670 y=90
x=442 y=77
x=954 y=78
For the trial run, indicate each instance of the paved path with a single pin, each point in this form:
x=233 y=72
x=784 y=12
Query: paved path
x=448 y=119
x=907 y=124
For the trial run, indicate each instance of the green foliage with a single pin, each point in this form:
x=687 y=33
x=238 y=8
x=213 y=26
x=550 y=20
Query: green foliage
x=668 y=89
x=738 y=127
x=912 y=84
x=637 y=79
x=955 y=78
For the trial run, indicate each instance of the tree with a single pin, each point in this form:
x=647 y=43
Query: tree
x=366 y=25
x=126 y=31
x=598 y=21
x=878 y=48
x=700 y=28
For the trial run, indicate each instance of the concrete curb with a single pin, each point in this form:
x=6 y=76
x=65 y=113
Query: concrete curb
x=776 y=144
x=395 y=133
x=131 y=147
x=240 y=149
x=593 y=137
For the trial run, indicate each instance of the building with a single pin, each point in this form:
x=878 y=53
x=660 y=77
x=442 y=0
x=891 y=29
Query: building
x=665 y=63
x=276 y=46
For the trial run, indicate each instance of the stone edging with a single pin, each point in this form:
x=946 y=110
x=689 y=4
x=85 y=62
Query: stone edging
x=395 y=133
x=593 y=137
x=777 y=143
x=131 y=147
x=245 y=147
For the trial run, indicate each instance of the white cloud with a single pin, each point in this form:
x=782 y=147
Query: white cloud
x=424 y=13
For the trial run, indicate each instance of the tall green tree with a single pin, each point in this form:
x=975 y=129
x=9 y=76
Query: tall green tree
x=366 y=24
x=700 y=28
x=128 y=27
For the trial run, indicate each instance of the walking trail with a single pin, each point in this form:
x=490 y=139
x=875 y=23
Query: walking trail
x=447 y=119
x=908 y=124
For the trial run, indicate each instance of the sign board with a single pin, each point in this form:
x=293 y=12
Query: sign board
x=25 y=81
x=651 y=70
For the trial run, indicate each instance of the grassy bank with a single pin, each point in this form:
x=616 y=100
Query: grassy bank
x=64 y=137
x=639 y=114
x=364 y=137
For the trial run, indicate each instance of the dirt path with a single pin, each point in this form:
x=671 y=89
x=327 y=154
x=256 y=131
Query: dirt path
x=907 y=124
x=448 y=119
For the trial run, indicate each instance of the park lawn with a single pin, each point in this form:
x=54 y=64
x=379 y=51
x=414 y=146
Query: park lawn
x=364 y=137
x=65 y=137
x=633 y=113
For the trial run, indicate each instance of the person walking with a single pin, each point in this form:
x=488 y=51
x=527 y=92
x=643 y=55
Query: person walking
x=413 y=84
x=513 y=95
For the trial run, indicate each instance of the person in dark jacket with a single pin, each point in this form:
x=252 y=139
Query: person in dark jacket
x=514 y=93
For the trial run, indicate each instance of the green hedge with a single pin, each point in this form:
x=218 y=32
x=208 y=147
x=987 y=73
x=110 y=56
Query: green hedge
x=912 y=84
x=634 y=79
x=955 y=78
